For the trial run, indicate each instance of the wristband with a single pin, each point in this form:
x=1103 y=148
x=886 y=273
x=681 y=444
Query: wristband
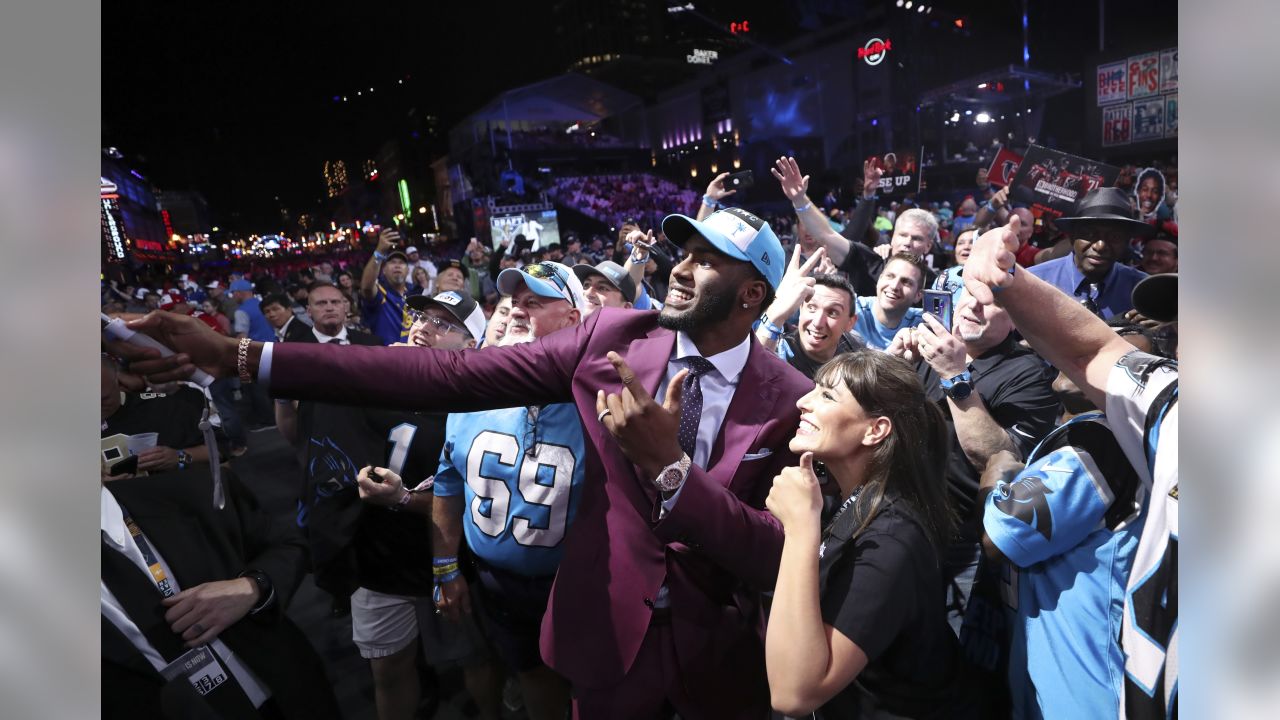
x=379 y=257
x=440 y=561
x=804 y=207
x=442 y=570
x=709 y=201
x=402 y=502
x=447 y=578
x=990 y=208
x=774 y=331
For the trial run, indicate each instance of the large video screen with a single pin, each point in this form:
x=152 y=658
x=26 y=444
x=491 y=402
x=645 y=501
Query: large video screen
x=540 y=226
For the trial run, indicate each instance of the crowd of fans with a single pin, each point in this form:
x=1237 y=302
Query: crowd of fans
x=954 y=502
x=615 y=199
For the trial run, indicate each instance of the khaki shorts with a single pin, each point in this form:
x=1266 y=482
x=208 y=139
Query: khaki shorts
x=384 y=624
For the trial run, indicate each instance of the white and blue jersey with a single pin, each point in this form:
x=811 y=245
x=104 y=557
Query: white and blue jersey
x=1070 y=523
x=1142 y=406
x=872 y=332
x=520 y=471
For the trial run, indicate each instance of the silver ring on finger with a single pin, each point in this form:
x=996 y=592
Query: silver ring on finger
x=603 y=413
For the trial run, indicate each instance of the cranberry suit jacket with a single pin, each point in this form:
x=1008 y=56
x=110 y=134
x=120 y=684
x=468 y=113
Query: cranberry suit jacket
x=715 y=551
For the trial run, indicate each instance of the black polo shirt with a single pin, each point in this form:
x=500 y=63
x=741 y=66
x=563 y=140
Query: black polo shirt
x=1017 y=388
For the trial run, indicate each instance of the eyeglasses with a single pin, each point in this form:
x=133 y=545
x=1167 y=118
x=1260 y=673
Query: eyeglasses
x=433 y=322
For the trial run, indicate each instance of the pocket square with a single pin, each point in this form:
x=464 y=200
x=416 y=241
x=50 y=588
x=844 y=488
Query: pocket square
x=764 y=453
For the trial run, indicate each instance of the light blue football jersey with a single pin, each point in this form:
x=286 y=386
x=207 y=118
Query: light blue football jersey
x=1070 y=523
x=520 y=471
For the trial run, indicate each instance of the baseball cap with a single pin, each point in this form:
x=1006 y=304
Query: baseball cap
x=736 y=233
x=611 y=271
x=411 y=249
x=548 y=279
x=241 y=285
x=171 y=298
x=455 y=264
x=141 y=293
x=214 y=285
x=459 y=305
x=396 y=254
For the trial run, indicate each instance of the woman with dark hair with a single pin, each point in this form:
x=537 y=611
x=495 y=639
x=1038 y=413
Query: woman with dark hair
x=858 y=627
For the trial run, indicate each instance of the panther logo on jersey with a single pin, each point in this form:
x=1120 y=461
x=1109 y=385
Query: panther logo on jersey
x=331 y=468
x=1027 y=503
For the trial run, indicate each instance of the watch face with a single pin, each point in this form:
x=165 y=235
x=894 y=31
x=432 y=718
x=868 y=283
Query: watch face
x=960 y=390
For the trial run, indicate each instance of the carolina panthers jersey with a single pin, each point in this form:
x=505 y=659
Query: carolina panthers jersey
x=353 y=543
x=1142 y=406
x=520 y=471
x=1069 y=524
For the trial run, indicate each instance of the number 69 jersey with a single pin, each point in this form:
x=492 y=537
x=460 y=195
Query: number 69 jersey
x=520 y=471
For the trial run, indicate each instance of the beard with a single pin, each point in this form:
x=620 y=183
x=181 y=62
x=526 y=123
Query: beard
x=509 y=339
x=712 y=307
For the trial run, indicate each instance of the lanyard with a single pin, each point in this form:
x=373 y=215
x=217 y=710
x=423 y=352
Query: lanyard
x=153 y=562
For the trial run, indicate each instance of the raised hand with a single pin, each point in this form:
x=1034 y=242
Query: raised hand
x=716 y=190
x=871 y=174
x=794 y=184
x=646 y=432
x=797 y=284
x=796 y=498
x=987 y=269
x=387 y=239
x=943 y=351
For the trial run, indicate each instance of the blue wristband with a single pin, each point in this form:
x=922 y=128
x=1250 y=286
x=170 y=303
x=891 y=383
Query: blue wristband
x=442 y=561
x=706 y=200
x=442 y=579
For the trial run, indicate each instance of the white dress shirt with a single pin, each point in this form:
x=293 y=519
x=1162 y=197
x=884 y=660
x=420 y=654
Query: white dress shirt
x=341 y=337
x=117 y=537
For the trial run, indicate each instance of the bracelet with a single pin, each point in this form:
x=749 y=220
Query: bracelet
x=990 y=208
x=441 y=570
x=804 y=207
x=379 y=256
x=637 y=259
x=774 y=331
x=242 y=361
x=708 y=201
x=447 y=578
x=402 y=502
x=441 y=561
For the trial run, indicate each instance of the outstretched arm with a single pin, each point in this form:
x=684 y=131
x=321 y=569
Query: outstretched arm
x=796 y=186
x=1061 y=330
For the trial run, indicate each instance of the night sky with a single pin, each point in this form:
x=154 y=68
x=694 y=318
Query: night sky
x=238 y=103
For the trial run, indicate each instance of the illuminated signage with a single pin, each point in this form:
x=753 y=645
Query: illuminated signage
x=874 y=51
x=703 y=57
x=112 y=235
x=740 y=27
x=403 y=185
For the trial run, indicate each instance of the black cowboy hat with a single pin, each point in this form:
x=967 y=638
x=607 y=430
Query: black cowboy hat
x=1105 y=205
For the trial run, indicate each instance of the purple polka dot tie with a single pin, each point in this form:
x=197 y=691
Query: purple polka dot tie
x=691 y=402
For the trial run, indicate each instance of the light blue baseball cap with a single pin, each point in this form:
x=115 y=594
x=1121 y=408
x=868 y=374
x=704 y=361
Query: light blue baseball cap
x=548 y=279
x=736 y=233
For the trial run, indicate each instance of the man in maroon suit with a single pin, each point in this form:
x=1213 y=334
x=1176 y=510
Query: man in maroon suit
x=656 y=604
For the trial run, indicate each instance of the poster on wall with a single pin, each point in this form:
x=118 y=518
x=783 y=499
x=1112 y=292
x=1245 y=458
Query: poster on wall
x=1148 y=119
x=1052 y=182
x=1112 y=83
x=1144 y=75
x=1116 y=125
x=1171 y=115
x=1169 y=70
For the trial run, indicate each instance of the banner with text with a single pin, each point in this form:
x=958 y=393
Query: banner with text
x=1052 y=182
x=901 y=171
